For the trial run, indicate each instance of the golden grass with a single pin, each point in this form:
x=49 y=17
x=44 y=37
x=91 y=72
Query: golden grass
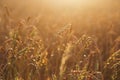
x=29 y=51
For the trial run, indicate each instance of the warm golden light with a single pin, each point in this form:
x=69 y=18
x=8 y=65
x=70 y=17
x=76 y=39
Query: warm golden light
x=59 y=39
x=72 y=3
x=69 y=2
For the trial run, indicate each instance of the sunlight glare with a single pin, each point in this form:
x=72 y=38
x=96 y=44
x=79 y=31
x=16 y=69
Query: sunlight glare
x=69 y=2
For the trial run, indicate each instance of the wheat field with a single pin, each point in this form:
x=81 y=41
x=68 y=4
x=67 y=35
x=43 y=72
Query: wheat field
x=59 y=40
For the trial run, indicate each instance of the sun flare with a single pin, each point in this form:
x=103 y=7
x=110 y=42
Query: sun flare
x=67 y=2
x=71 y=3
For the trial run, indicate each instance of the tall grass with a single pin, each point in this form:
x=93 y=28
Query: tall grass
x=28 y=53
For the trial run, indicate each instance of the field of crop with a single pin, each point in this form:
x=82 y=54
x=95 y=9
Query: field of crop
x=42 y=41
